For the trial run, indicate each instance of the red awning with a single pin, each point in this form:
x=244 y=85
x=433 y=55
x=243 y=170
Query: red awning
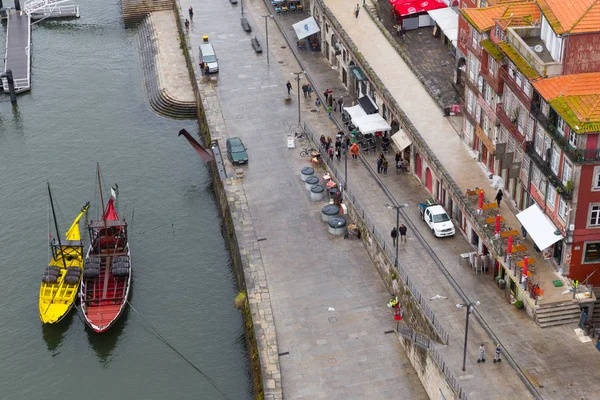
x=110 y=214
x=413 y=7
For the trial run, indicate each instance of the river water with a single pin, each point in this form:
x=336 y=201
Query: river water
x=88 y=106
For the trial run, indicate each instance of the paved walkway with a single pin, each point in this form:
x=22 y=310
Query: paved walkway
x=174 y=78
x=328 y=301
x=430 y=60
x=547 y=356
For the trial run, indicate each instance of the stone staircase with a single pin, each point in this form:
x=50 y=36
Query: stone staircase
x=553 y=314
x=160 y=100
x=134 y=11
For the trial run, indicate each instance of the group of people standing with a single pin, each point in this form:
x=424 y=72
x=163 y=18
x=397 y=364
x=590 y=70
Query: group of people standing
x=382 y=164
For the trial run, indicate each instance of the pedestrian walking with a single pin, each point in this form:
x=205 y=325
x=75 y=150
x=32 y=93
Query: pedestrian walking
x=329 y=111
x=340 y=102
x=403 y=33
x=328 y=143
x=330 y=153
x=398 y=158
x=338 y=154
x=394 y=235
x=354 y=151
x=191 y=12
x=356 y=10
x=330 y=100
x=318 y=104
x=326 y=94
x=305 y=90
x=402 y=231
x=310 y=90
x=481 y=357
x=497 y=353
x=187 y=25
x=379 y=164
x=384 y=165
x=523 y=232
x=499 y=196
x=323 y=142
x=288 y=85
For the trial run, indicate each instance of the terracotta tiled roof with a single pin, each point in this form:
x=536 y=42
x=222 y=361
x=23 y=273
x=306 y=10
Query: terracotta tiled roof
x=517 y=13
x=576 y=98
x=572 y=16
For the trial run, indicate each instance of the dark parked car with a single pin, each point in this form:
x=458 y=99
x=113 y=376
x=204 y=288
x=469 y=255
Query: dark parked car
x=237 y=151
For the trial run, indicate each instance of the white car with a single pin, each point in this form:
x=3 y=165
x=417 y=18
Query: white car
x=438 y=220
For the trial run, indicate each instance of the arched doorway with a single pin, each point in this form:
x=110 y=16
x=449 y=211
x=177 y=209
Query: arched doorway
x=428 y=180
x=418 y=166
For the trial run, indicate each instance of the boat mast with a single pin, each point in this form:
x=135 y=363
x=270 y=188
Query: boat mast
x=102 y=202
x=56 y=226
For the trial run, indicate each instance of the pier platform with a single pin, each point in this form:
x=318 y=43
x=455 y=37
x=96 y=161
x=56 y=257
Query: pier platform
x=17 y=57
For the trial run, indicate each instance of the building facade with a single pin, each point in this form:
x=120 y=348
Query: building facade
x=532 y=116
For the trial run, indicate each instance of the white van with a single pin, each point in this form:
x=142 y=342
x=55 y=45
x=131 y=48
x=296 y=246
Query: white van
x=209 y=57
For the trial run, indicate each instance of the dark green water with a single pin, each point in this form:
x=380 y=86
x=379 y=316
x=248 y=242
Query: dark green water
x=88 y=106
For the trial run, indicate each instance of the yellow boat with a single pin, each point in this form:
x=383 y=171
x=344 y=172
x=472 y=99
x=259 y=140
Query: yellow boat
x=60 y=283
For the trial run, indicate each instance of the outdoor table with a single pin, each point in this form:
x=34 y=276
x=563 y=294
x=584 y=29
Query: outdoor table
x=492 y=220
x=530 y=261
x=519 y=248
x=514 y=232
x=489 y=206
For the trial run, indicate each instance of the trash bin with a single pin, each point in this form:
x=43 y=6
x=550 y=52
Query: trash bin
x=306 y=172
x=311 y=182
x=317 y=193
x=337 y=226
x=329 y=211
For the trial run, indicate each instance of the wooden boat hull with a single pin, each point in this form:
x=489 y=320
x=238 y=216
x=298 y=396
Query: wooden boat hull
x=104 y=299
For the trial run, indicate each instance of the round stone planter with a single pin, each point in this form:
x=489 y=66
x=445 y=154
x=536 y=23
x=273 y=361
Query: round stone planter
x=306 y=172
x=311 y=182
x=329 y=211
x=337 y=226
x=317 y=193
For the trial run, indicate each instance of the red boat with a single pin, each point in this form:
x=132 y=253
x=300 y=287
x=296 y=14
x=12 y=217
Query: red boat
x=107 y=269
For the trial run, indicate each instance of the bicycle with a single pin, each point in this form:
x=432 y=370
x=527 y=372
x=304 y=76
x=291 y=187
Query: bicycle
x=307 y=152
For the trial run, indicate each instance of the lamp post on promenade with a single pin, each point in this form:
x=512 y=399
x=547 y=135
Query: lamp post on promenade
x=298 y=80
x=397 y=207
x=470 y=307
x=266 y=17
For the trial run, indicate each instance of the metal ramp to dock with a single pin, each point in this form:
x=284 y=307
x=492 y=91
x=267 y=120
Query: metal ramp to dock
x=16 y=57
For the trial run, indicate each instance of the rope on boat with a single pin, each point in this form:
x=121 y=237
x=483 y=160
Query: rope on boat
x=166 y=342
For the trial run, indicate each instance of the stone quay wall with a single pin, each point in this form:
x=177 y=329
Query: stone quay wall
x=240 y=235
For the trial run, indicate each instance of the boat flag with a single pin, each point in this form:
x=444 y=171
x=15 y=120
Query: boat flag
x=205 y=155
x=113 y=192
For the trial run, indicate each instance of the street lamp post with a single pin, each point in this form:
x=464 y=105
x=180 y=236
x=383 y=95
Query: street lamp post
x=470 y=308
x=266 y=17
x=397 y=207
x=298 y=79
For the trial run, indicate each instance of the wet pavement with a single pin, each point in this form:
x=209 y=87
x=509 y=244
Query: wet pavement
x=428 y=58
x=320 y=272
x=328 y=301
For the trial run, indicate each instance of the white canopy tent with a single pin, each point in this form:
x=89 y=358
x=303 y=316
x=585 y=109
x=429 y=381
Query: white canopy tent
x=401 y=139
x=355 y=112
x=371 y=123
x=539 y=227
x=447 y=20
x=306 y=27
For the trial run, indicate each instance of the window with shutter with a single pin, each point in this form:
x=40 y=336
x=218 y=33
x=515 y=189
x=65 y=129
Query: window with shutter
x=567 y=171
x=554 y=162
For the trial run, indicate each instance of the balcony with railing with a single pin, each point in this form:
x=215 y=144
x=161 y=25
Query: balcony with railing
x=509 y=123
x=527 y=42
x=510 y=82
x=575 y=154
x=544 y=166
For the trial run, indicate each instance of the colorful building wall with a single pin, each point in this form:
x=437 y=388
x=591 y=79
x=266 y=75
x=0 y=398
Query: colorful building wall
x=581 y=53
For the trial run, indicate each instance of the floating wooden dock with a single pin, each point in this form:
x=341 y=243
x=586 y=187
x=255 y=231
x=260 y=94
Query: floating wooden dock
x=18 y=44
